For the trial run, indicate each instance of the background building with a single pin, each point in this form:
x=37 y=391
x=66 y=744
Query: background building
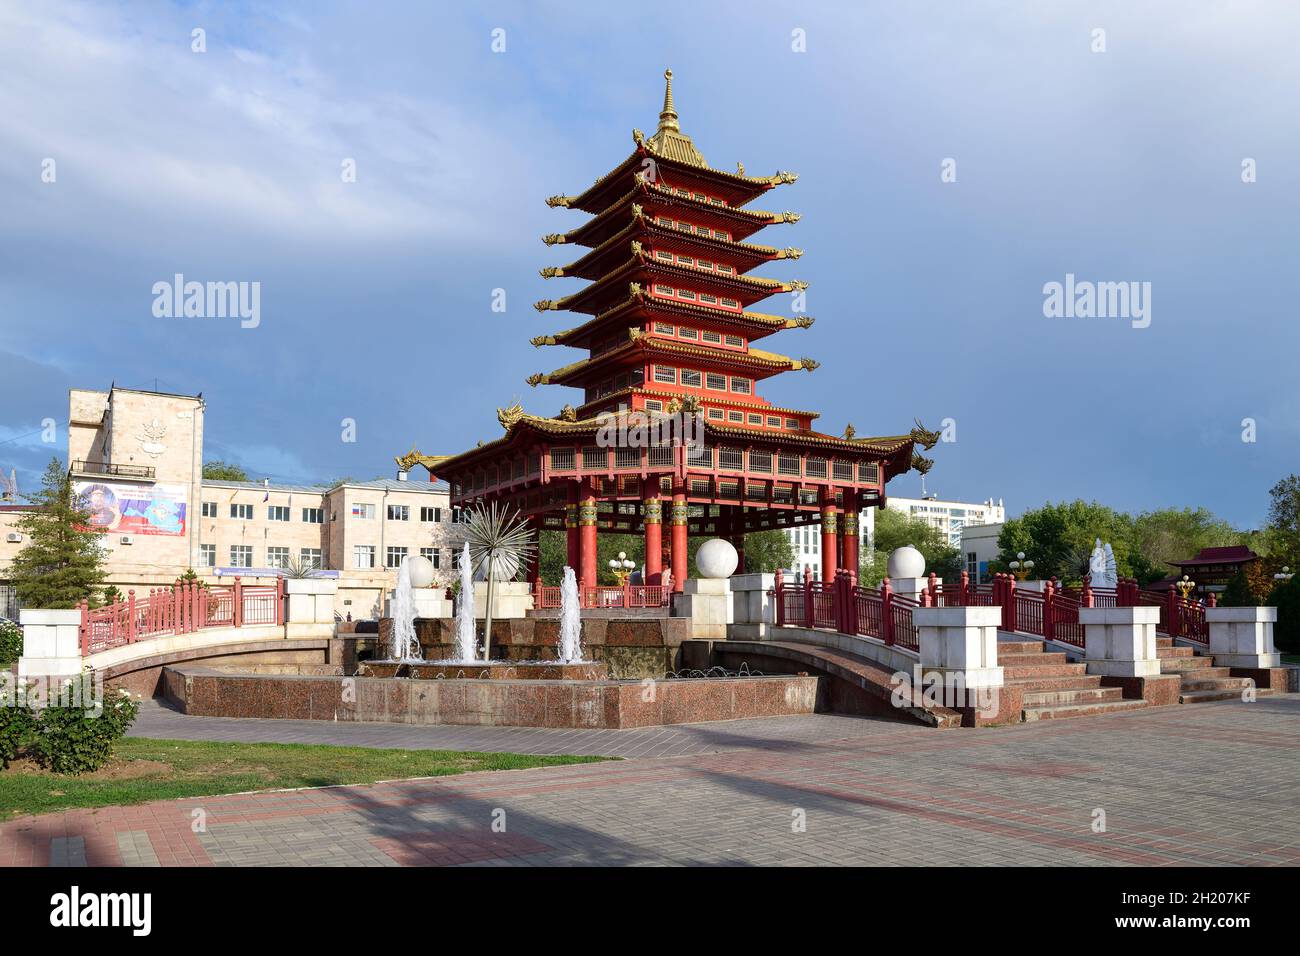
x=137 y=456
x=951 y=518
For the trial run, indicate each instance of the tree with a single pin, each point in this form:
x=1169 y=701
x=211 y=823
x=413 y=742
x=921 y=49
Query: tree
x=765 y=551
x=896 y=528
x=1059 y=539
x=223 y=471
x=61 y=565
x=1284 y=520
x=1237 y=593
x=1286 y=598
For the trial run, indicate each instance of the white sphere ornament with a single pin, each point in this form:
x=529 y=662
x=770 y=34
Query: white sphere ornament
x=717 y=558
x=420 y=570
x=907 y=562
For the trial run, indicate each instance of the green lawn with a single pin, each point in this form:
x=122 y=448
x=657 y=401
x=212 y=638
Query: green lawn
x=143 y=769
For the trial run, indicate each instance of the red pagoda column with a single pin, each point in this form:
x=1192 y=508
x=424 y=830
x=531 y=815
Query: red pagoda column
x=829 y=525
x=587 y=536
x=738 y=542
x=849 y=558
x=571 y=527
x=680 y=561
x=654 y=534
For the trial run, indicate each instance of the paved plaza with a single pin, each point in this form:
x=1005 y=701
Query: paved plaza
x=1211 y=784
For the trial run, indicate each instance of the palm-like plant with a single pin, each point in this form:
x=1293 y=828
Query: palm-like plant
x=499 y=542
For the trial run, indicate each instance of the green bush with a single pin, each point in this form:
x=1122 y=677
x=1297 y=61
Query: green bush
x=16 y=727
x=11 y=643
x=1286 y=633
x=1237 y=593
x=71 y=739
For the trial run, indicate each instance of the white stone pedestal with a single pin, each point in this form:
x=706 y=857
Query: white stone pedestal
x=429 y=602
x=1243 y=636
x=311 y=600
x=960 y=639
x=909 y=587
x=751 y=604
x=51 y=643
x=510 y=599
x=708 y=603
x=1120 y=641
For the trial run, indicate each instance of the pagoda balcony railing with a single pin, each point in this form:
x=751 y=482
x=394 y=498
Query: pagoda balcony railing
x=82 y=467
x=734 y=461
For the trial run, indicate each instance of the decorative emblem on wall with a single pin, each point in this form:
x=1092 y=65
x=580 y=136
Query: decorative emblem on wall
x=151 y=440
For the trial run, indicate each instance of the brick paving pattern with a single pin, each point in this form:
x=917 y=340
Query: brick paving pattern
x=1207 y=784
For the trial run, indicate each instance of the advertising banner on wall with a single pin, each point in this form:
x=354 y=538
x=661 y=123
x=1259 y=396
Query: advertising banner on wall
x=134 y=509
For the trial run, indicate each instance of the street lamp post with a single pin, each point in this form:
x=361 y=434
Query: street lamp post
x=1020 y=567
x=1185 y=587
x=621 y=567
x=1286 y=574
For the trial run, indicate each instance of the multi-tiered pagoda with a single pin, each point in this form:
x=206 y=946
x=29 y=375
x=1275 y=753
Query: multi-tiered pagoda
x=668 y=323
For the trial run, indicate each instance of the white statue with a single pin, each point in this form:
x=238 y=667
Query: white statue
x=1102 y=572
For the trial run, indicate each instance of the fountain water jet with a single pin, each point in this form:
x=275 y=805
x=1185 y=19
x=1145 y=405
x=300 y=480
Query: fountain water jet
x=570 y=649
x=403 y=645
x=466 y=645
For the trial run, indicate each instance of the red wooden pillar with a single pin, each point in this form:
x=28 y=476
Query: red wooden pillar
x=1049 y=599
x=680 y=562
x=587 y=512
x=130 y=618
x=85 y=628
x=238 y=597
x=809 y=618
x=829 y=524
x=849 y=559
x=571 y=527
x=886 y=611
x=654 y=533
x=778 y=595
x=738 y=542
x=964 y=589
x=1171 y=612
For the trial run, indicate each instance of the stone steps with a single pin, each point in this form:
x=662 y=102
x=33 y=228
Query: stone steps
x=1033 y=684
x=1071 y=695
x=1178 y=665
x=1035 y=660
x=1081 y=710
x=1164 y=642
x=1016 y=671
x=1173 y=653
x=1220 y=693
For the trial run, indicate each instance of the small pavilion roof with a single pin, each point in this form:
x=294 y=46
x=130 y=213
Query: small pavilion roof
x=1234 y=554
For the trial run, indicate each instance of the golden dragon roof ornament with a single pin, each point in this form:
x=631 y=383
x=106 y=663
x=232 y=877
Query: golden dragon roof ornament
x=923 y=436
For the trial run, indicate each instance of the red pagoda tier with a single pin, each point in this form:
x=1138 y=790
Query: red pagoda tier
x=668 y=323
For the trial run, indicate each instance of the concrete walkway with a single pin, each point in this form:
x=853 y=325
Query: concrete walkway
x=1210 y=784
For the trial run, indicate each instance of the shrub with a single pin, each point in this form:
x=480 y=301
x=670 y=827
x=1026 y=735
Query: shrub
x=1237 y=593
x=16 y=727
x=11 y=643
x=1286 y=598
x=71 y=739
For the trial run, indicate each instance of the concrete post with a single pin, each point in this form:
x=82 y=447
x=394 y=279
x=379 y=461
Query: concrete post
x=1120 y=641
x=1242 y=636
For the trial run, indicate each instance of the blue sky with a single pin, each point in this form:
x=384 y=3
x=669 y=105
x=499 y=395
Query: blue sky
x=376 y=295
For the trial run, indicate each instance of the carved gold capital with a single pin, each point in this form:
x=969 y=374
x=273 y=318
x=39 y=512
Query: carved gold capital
x=828 y=522
x=678 y=514
x=850 y=523
x=587 y=513
x=654 y=511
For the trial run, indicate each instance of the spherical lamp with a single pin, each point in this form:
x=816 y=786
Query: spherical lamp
x=420 y=570
x=717 y=558
x=906 y=562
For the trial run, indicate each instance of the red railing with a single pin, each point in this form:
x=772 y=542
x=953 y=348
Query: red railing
x=628 y=596
x=1179 y=616
x=179 y=610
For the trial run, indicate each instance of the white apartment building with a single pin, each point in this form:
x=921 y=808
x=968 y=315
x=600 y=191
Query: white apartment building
x=950 y=517
x=137 y=457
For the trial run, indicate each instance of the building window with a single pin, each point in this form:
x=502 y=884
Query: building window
x=685 y=333
x=242 y=512
x=434 y=556
x=362 y=510
x=431 y=515
x=277 y=512
x=713 y=338
x=735 y=416
x=653 y=405
x=662 y=328
x=277 y=558
x=399 y=512
x=742 y=386
x=792 y=423
x=310 y=558
x=716 y=382
x=755 y=419
x=773 y=421
x=208 y=555
x=209 y=509
x=393 y=557
x=313 y=515
x=241 y=555
x=735 y=341
x=363 y=556
x=691 y=378
x=666 y=374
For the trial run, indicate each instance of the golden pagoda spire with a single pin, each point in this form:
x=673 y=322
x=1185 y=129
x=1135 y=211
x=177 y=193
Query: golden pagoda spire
x=668 y=118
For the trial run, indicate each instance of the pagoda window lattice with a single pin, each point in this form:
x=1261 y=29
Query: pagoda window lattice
x=593 y=457
x=788 y=465
x=700 y=456
x=731 y=459
x=760 y=461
